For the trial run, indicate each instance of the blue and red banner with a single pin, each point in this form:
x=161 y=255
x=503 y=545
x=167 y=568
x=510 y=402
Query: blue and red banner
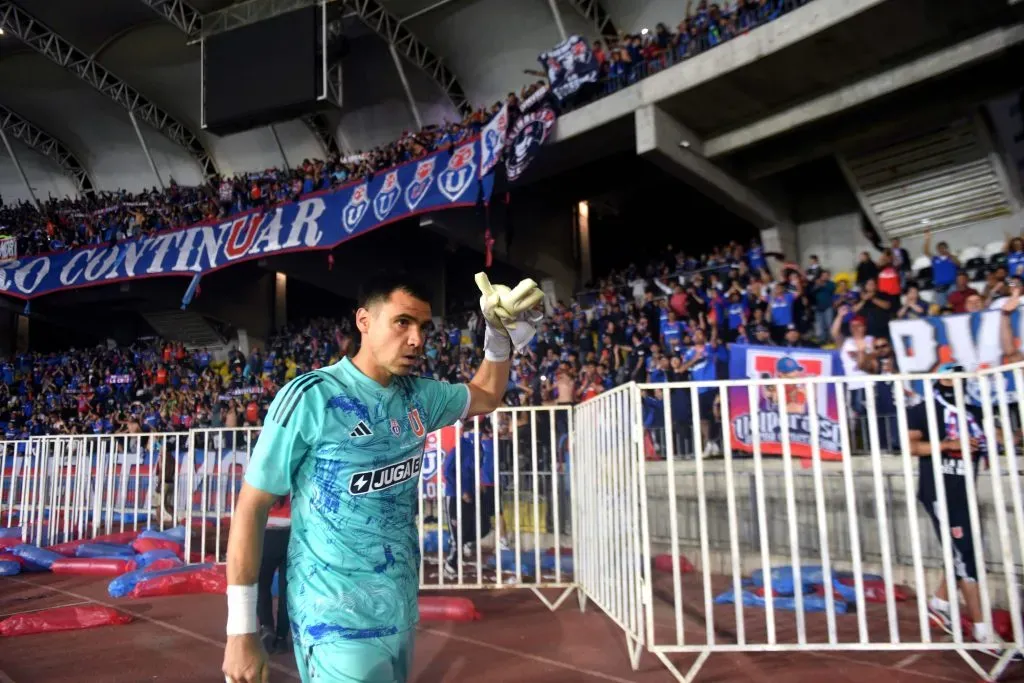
x=435 y=448
x=772 y=362
x=442 y=180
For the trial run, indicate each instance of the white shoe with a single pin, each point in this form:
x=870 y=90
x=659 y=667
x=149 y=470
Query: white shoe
x=996 y=647
x=449 y=571
x=940 y=619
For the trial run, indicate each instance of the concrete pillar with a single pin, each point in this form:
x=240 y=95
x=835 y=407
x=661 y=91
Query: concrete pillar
x=251 y=308
x=432 y=273
x=781 y=238
x=583 y=237
x=543 y=243
x=8 y=332
x=675 y=149
x=280 y=301
x=21 y=343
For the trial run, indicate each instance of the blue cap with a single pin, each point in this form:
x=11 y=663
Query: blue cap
x=788 y=364
x=950 y=367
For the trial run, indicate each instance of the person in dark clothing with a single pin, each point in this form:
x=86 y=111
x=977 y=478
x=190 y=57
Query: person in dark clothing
x=881 y=360
x=876 y=309
x=866 y=269
x=946 y=433
x=470 y=498
x=275 y=635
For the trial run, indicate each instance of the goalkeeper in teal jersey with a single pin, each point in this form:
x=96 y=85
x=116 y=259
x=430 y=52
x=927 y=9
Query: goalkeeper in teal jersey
x=347 y=441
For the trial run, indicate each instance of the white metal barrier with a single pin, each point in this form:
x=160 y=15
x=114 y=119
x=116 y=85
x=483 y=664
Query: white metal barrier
x=71 y=487
x=790 y=517
x=509 y=466
x=607 y=508
x=59 y=488
x=210 y=484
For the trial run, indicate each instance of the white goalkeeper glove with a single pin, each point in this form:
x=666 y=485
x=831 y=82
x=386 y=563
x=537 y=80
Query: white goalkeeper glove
x=508 y=315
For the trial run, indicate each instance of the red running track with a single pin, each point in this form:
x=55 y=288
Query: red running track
x=181 y=639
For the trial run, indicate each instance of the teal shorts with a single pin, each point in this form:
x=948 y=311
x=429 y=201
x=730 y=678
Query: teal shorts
x=366 y=660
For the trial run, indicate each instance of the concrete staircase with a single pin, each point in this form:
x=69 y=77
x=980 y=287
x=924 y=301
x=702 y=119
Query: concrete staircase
x=185 y=326
x=937 y=179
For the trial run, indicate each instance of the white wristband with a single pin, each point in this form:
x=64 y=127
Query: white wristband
x=242 y=610
x=497 y=345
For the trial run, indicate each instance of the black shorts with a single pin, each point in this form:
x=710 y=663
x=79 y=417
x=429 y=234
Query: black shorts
x=486 y=506
x=706 y=403
x=469 y=510
x=964 y=563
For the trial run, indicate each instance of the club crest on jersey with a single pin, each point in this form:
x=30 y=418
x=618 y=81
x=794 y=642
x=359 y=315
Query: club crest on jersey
x=388 y=196
x=396 y=427
x=415 y=423
x=417 y=189
x=382 y=478
x=354 y=211
x=460 y=173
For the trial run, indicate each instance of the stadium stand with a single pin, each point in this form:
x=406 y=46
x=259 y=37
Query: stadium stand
x=641 y=324
x=66 y=223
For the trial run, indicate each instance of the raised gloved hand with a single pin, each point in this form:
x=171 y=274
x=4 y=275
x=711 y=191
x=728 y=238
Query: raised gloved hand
x=508 y=315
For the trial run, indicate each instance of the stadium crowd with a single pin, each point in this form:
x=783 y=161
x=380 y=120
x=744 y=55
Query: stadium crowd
x=669 y=320
x=106 y=217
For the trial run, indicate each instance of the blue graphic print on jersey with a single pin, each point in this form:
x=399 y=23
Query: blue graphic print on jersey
x=349 y=405
x=354 y=554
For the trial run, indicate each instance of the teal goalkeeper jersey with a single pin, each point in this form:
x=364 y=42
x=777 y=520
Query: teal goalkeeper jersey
x=349 y=451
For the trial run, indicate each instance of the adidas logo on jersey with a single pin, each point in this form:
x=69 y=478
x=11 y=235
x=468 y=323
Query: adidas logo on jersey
x=361 y=430
x=371 y=481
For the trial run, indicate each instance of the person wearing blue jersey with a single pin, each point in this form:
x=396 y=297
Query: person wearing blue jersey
x=1014 y=256
x=736 y=313
x=672 y=331
x=781 y=311
x=756 y=257
x=945 y=266
x=346 y=441
x=701 y=361
x=463 y=497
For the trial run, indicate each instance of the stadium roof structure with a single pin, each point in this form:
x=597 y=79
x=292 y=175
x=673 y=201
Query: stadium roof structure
x=81 y=83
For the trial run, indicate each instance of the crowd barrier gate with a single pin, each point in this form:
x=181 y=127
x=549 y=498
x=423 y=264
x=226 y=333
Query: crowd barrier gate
x=840 y=517
x=59 y=488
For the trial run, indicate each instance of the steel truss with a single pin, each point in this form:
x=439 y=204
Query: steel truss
x=183 y=15
x=35 y=137
x=372 y=13
x=23 y=26
x=387 y=26
x=594 y=12
x=320 y=127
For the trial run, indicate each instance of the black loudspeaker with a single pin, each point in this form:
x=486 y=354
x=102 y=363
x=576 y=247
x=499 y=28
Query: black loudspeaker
x=270 y=71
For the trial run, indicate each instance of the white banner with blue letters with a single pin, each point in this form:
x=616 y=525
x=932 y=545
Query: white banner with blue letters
x=443 y=180
x=971 y=340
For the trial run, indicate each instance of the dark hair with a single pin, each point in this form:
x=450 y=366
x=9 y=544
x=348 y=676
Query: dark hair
x=380 y=287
